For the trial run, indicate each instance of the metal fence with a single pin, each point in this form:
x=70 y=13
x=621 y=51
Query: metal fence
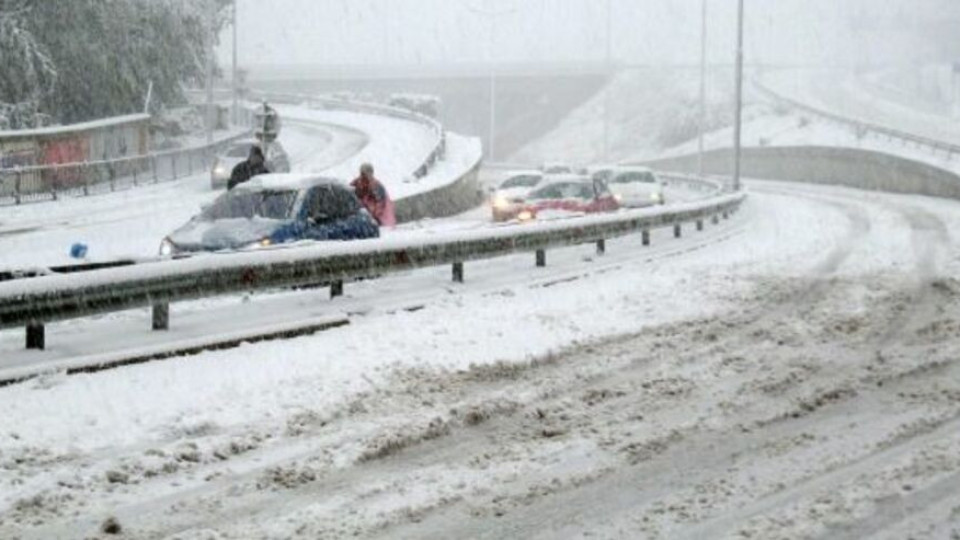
x=31 y=303
x=863 y=129
x=50 y=182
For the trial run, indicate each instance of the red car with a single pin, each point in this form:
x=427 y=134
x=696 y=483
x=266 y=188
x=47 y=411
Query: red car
x=569 y=195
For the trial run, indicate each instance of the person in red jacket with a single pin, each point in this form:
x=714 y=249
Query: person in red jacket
x=374 y=196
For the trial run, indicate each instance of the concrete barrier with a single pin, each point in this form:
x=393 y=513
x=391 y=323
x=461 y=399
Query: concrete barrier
x=455 y=198
x=863 y=169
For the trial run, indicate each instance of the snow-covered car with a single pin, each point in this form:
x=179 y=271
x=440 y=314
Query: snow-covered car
x=602 y=172
x=570 y=195
x=636 y=187
x=557 y=168
x=277 y=160
x=274 y=209
x=509 y=196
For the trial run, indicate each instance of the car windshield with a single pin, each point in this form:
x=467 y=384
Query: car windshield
x=239 y=151
x=567 y=190
x=634 y=178
x=251 y=204
x=526 y=180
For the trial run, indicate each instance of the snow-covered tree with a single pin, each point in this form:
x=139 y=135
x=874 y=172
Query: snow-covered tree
x=86 y=59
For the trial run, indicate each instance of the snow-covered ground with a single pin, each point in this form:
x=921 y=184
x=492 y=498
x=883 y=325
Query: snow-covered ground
x=789 y=374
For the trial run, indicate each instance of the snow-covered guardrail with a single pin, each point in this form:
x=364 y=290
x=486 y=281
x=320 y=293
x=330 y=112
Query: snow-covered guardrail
x=852 y=167
x=861 y=128
x=436 y=153
x=34 y=302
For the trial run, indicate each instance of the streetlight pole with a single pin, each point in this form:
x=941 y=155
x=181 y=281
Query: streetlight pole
x=492 y=17
x=211 y=21
x=738 y=127
x=703 y=86
x=235 y=111
x=606 y=92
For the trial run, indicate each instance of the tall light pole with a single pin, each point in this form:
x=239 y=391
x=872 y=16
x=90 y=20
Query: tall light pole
x=703 y=86
x=606 y=92
x=235 y=107
x=492 y=17
x=738 y=127
x=211 y=21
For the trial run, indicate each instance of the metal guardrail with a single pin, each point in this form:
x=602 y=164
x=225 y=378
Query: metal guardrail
x=437 y=153
x=862 y=128
x=34 y=302
x=49 y=182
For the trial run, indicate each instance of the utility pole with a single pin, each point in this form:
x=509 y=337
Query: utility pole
x=492 y=17
x=610 y=79
x=738 y=127
x=211 y=29
x=235 y=106
x=703 y=86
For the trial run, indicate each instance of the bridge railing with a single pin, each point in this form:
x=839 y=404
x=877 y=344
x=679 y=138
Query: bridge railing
x=862 y=129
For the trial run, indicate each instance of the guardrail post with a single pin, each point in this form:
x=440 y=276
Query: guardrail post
x=646 y=237
x=601 y=247
x=17 y=186
x=700 y=225
x=726 y=214
x=715 y=219
x=36 y=337
x=336 y=289
x=541 y=258
x=458 y=272
x=173 y=160
x=677 y=230
x=153 y=163
x=161 y=317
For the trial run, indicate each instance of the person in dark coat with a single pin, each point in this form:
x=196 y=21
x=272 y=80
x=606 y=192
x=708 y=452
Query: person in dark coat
x=374 y=196
x=254 y=165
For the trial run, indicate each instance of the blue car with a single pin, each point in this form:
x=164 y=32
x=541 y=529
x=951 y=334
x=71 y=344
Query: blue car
x=274 y=209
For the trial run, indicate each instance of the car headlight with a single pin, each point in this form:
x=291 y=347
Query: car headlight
x=501 y=203
x=166 y=248
x=656 y=197
x=526 y=215
x=618 y=197
x=266 y=242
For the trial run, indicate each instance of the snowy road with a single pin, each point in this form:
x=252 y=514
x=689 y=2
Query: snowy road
x=789 y=374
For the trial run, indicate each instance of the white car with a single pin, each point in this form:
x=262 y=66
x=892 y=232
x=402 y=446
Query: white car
x=557 y=168
x=277 y=161
x=636 y=187
x=512 y=193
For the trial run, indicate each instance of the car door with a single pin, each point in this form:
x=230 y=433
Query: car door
x=333 y=213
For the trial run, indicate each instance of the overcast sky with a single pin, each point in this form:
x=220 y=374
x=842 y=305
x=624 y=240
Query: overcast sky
x=443 y=32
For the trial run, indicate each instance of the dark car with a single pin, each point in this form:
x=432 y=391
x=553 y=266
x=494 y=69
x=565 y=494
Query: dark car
x=275 y=209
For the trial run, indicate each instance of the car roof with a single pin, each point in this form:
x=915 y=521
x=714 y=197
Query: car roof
x=524 y=172
x=552 y=179
x=293 y=182
x=632 y=169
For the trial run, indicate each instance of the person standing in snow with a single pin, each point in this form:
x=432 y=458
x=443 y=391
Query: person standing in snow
x=374 y=196
x=254 y=165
